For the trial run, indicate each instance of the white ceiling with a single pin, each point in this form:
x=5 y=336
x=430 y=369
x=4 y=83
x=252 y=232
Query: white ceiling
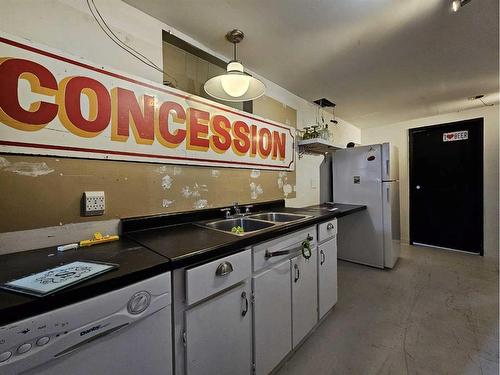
x=381 y=61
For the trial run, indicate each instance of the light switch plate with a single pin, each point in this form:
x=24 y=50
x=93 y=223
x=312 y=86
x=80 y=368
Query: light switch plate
x=93 y=203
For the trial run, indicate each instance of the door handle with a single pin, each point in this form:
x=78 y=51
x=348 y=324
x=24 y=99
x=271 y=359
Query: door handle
x=323 y=257
x=387 y=191
x=329 y=226
x=225 y=268
x=244 y=297
x=417 y=187
x=387 y=166
x=297 y=273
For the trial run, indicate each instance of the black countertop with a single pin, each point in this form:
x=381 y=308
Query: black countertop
x=148 y=247
x=187 y=244
x=135 y=262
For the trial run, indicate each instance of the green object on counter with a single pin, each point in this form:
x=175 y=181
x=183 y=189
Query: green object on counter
x=237 y=230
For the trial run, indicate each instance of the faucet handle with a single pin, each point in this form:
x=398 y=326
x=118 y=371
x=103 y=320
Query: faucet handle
x=247 y=208
x=227 y=210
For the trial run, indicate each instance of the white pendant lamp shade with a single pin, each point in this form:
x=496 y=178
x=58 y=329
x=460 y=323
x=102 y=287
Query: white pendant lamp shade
x=235 y=85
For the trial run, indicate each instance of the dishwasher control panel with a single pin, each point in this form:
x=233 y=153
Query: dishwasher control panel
x=31 y=342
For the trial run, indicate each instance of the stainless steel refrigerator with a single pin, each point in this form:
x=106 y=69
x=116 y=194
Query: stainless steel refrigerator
x=368 y=175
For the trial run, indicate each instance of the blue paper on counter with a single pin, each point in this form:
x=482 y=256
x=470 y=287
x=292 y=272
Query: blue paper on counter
x=54 y=279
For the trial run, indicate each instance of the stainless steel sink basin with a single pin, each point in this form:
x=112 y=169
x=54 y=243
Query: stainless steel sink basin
x=248 y=225
x=278 y=217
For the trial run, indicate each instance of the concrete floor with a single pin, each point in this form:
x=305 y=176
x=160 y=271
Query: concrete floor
x=435 y=313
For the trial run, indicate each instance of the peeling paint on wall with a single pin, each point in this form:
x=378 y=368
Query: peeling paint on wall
x=200 y=203
x=255 y=190
x=287 y=189
x=166 y=203
x=4 y=163
x=162 y=169
x=215 y=173
x=166 y=182
x=194 y=192
x=29 y=169
x=255 y=173
x=282 y=178
x=177 y=171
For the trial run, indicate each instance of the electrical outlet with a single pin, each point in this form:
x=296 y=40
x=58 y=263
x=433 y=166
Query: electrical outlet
x=93 y=203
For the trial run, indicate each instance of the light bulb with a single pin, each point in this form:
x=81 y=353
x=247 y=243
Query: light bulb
x=235 y=85
x=455 y=5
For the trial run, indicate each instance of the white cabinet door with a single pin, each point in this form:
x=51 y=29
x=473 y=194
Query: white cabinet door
x=327 y=276
x=218 y=334
x=272 y=317
x=304 y=295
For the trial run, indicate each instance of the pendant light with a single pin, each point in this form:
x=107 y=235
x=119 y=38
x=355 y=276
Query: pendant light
x=235 y=85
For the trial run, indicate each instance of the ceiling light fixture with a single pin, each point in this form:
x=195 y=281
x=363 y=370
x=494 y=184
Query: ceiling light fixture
x=235 y=85
x=457 y=4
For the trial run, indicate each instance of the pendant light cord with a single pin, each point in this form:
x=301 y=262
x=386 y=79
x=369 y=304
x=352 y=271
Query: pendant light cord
x=139 y=56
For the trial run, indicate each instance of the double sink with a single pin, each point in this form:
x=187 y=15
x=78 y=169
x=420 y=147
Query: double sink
x=253 y=223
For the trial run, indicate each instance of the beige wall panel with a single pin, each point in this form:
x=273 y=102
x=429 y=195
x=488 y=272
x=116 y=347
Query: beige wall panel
x=46 y=191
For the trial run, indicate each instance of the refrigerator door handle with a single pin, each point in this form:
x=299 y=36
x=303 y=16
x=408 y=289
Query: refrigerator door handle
x=387 y=194
x=387 y=165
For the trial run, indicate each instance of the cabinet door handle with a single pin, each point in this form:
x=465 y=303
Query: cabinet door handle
x=329 y=226
x=297 y=273
x=225 y=268
x=244 y=297
x=323 y=257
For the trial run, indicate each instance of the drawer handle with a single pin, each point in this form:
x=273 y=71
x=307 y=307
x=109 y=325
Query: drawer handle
x=297 y=273
x=305 y=248
x=225 y=268
x=329 y=226
x=270 y=254
x=322 y=257
x=244 y=297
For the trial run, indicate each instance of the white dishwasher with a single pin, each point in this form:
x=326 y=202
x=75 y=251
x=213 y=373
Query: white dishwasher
x=126 y=331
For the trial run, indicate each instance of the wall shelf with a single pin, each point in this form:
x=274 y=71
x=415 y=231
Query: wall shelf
x=316 y=146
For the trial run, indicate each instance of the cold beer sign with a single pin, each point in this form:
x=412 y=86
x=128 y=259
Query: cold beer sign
x=52 y=104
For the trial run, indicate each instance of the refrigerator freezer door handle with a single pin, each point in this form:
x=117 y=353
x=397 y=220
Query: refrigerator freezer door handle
x=387 y=192
x=387 y=167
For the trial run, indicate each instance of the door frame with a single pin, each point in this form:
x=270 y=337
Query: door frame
x=481 y=166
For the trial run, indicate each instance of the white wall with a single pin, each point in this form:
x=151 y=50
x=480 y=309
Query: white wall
x=397 y=134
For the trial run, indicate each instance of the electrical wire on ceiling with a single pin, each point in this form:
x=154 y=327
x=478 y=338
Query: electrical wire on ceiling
x=139 y=56
x=480 y=98
x=486 y=105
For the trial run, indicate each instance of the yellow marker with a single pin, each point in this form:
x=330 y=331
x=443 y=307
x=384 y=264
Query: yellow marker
x=98 y=238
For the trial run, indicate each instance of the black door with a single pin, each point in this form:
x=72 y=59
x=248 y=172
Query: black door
x=446 y=185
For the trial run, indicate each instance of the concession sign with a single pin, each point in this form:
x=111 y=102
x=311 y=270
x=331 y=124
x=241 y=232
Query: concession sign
x=53 y=104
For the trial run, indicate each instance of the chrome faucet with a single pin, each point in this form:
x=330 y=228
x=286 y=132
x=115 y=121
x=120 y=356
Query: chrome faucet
x=237 y=211
x=236 y=207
